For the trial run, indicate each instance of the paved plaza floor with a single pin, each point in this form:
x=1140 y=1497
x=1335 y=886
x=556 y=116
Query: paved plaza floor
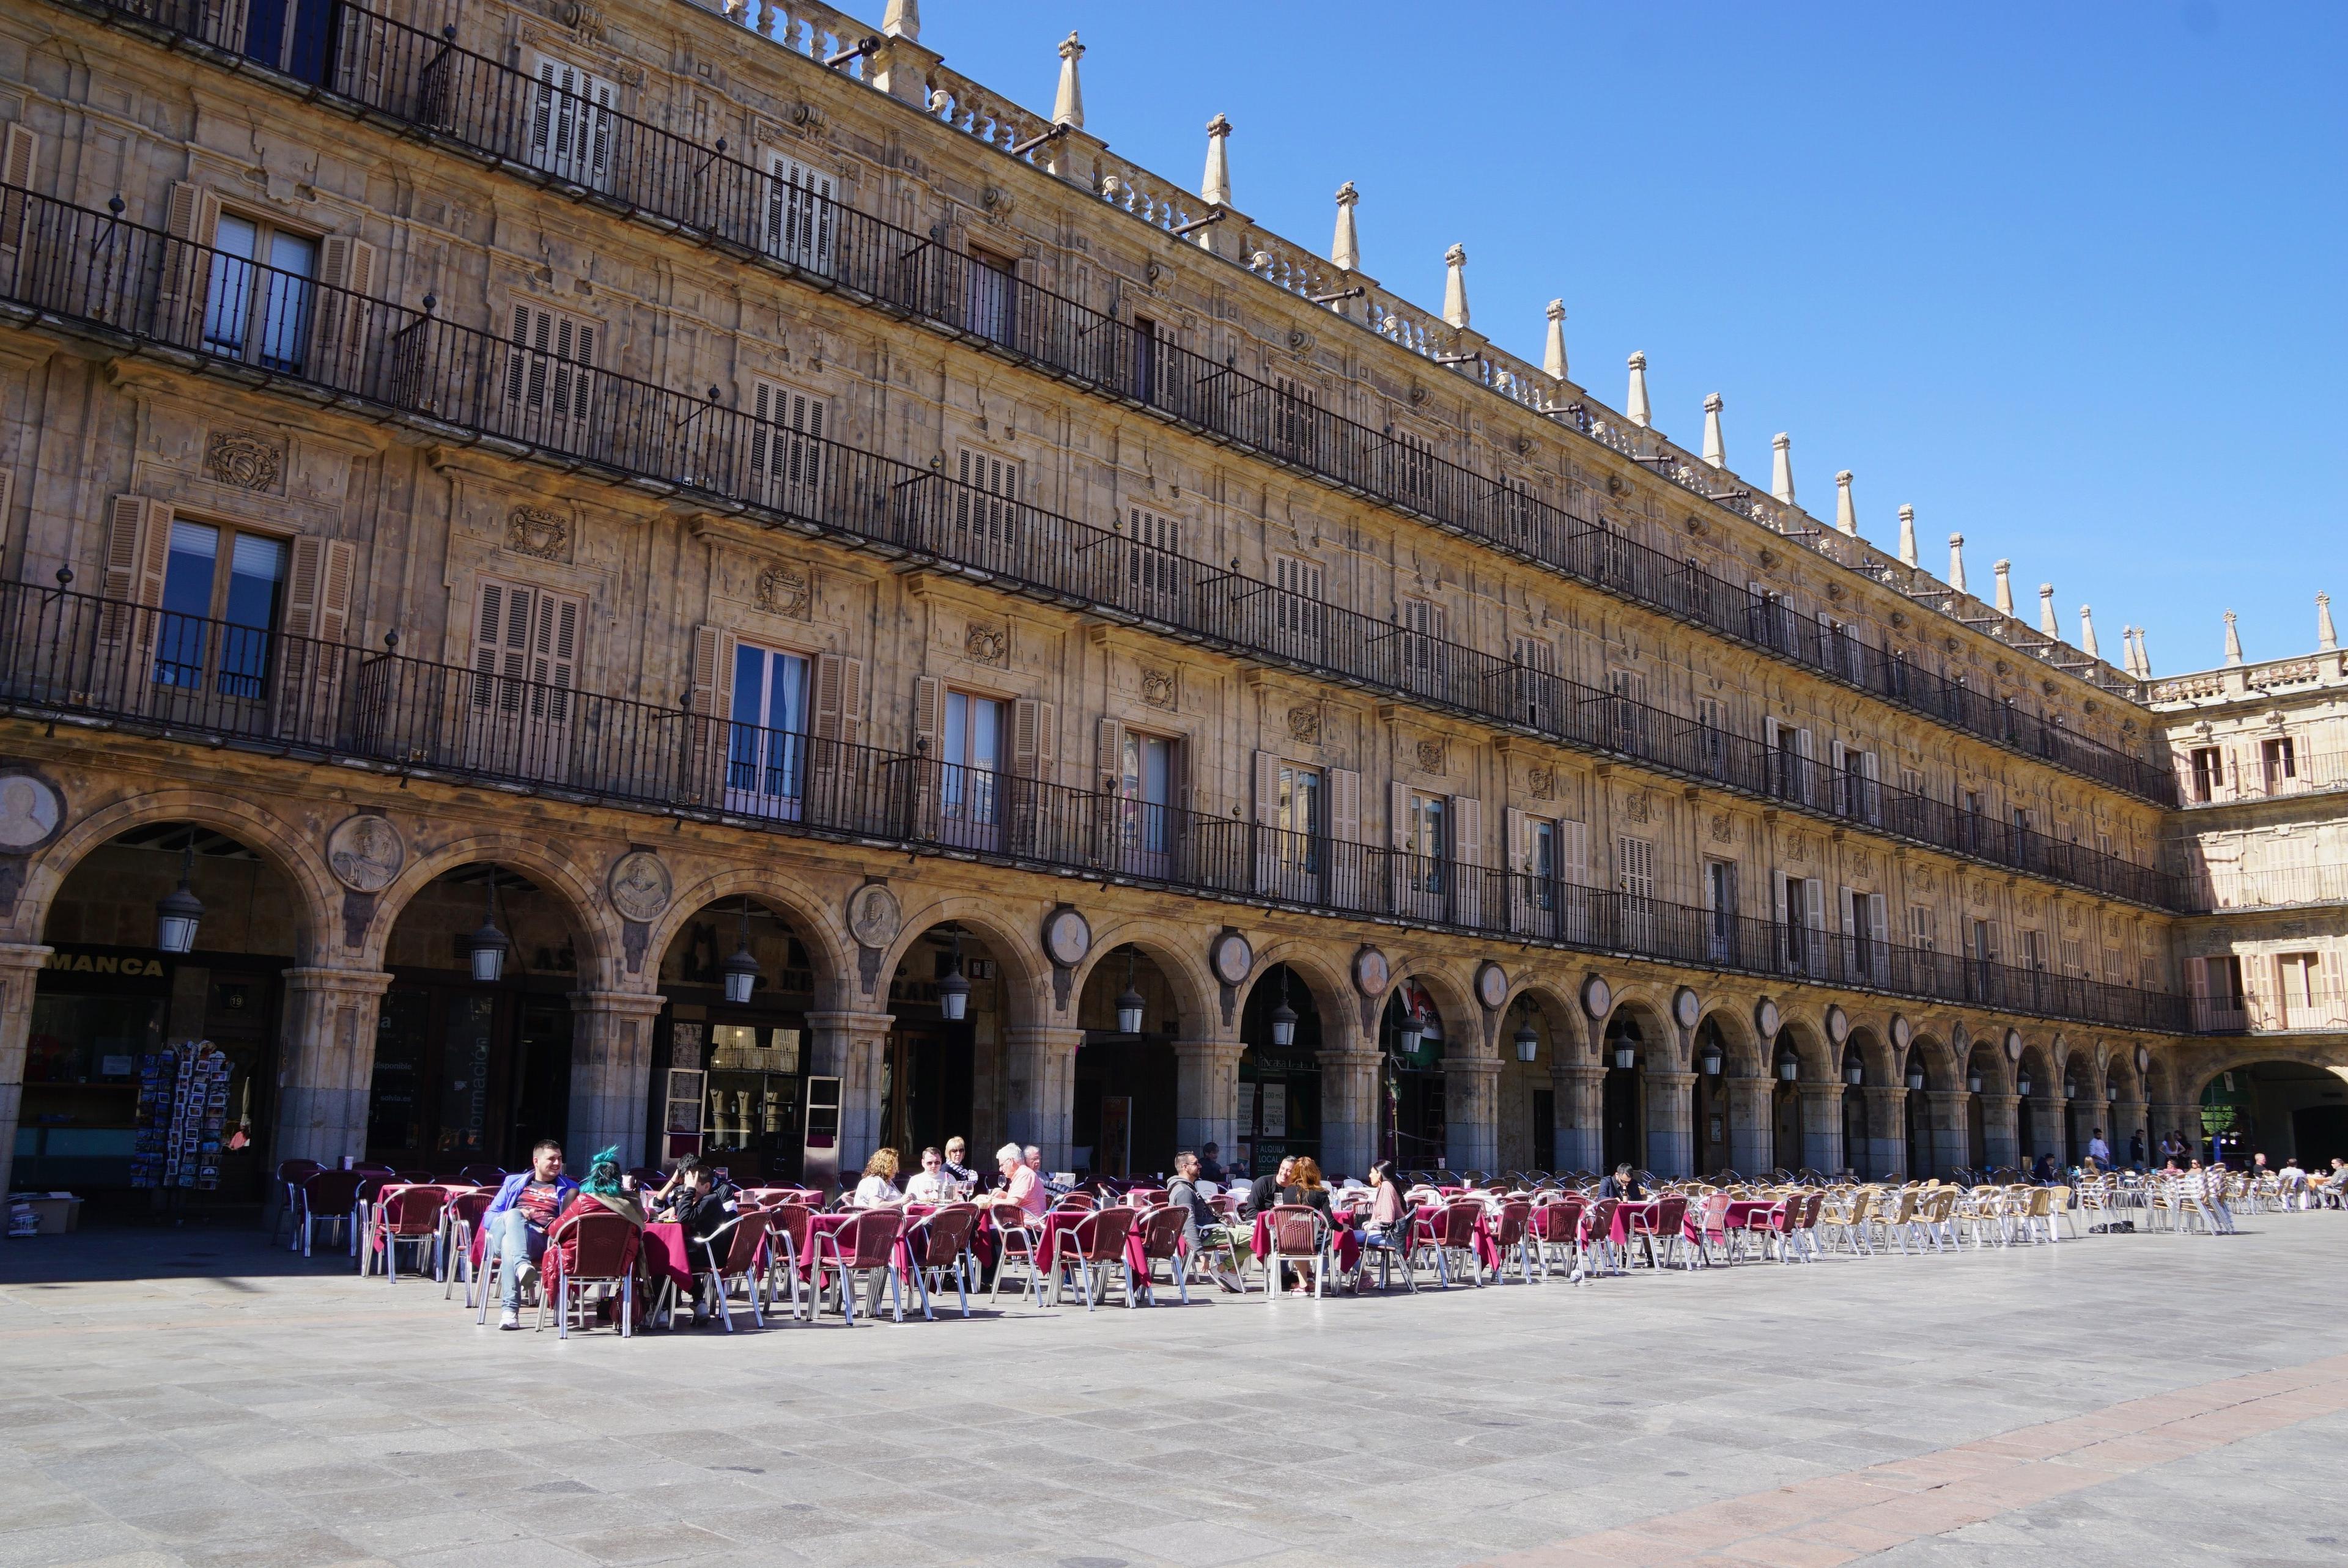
x=195 y=1398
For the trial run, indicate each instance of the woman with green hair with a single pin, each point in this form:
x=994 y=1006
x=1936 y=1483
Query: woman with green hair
x=605 y=1189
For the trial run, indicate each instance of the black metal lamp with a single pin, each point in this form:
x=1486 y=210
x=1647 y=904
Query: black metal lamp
x=742 y=968
x=1788 y=1069
x=954 y=990
x=178 y=912
x=489 y=943
x=1915 y=1076
x=1709 y=1059
x=1284 y=1016
x=1128 y=1002
x=1626 y=1055
x=1527 y=1042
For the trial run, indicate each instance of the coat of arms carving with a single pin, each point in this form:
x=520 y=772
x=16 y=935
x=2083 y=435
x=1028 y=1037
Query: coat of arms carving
x=244 y=459
x=538 y=532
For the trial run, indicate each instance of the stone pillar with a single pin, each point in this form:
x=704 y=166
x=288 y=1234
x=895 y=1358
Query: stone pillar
x=1670 y=1140
x=852 y=1047
x=1752 y=1124
x=2050 y=1116
x=1352 y=1108
x=1043 y=1088
x=2128 y=1116
x=2171 y=1116
x=1471 y=1113
x=2001 y=1138
x=1207 y=1093
x=1822 y=1147
x=20 y=966
x=1884 y=1118
x=1580 y=1110
x=325 y=1064
x=611 y=1074
x=1942 y=1113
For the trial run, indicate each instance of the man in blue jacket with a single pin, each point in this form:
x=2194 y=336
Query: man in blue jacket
x=518 y=1220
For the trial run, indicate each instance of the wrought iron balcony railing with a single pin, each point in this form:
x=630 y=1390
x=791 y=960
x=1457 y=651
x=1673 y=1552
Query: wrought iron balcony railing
x=84 y=657
x=423 y=84
x=95 y=270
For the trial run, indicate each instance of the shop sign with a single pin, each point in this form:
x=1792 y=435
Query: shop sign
x=117 y=963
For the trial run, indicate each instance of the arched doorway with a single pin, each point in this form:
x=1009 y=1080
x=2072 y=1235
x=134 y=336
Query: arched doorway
x=941 y=1072
x=1859 y=1150
x=1528 y=1100
x=731 y=1049
x=472 y=1058
x=1708 y=1104
x=1411 y=1045
x=2034 y=1121
x=1125 y=1088
x=1279 y=1083
x=2283 y=1110
x=1982 y=1076
x=127 y=1013
x=1622 y=1107
x=1787 y=1121
x=1925 y=1157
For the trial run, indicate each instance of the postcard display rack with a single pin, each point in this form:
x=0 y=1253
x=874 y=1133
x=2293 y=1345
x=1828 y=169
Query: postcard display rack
x=183 y=1116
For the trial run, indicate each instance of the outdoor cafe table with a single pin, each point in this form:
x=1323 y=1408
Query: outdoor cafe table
x=668 y=1258
x=1349 y=1241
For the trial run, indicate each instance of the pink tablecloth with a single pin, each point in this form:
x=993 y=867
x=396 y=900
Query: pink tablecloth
x=1349 y=1241
x=1488 y=1247
x=668 y=1257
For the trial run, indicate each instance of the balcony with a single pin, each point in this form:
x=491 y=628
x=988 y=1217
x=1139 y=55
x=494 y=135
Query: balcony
x=2318 y=1010
x=2227 y=888
x=2263 y=776
x=122 y=282
x=423 y=85
x=81 y=659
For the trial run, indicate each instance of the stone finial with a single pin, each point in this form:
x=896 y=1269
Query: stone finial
x=1957 y=562
x=1069 y=106
x=1907 y=536
x=1635 y=404
x=1781 y=468
x=2003 y=571
x=1846 y=509
x=1215 y=186
x=1553 y=356
x=1455 y=286
x=2233 y=640
x=902 y=19
x=2143 y=657
x=2127 y=649
x=2326 y=640
x=1346 y=246
x=2087 y=633
x=2047 y=622
x=1715 y=450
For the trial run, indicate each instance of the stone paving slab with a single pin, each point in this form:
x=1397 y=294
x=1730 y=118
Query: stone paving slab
x=173 y=1400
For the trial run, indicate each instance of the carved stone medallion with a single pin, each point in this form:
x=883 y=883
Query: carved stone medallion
x=874 y=916
x=243 y=458
x=366 y=853
x=640 y=884
x=1430 y=756
x=1541 y=781
x=1724 y=830
x=31 y=811
x=986 y=643
x=1304 y=724
x=538 y=532
x=786 y=590
x=1635 y=806
x=1158 y=687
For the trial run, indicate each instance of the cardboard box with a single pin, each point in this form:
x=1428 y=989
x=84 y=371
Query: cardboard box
x=59 y=1212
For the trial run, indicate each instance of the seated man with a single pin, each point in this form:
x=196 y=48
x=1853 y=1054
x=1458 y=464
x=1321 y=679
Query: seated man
x=930 y=1184
x=1265 y=1191
x=516 y=1224
x=704 y=1211
x=1623 y=1184
x=1201 y=1226
x=1021 y=1186
x=1210 y=1165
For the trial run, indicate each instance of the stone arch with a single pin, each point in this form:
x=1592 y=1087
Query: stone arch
x=1335 y=999
x=1180 y=953
x=2037 y=1062
x=2233 y=1058
x=810 y=917
x=1943 y=1073
x=1988 y=1054
x=1875 y=1053
x=595 y=923
x=1808 y=1038
x=1029 y=991
x=281 y=847
x=1739 y=1041
x=1462 y=1016
x=1657 y=1033
x=1560 y=1019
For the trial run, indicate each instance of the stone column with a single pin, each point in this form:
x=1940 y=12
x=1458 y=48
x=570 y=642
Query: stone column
x=2050 y=1122
x=852 y=1047
x=1353 y=1109
x=325 y=1064
x=1670 y=1140
x=611 y=1074
x=1943 y=1115
x=1042 y=1058
x=1471 y=1113
x=1752 y=1124
x=1822 y=1147
x=2128 y=1116
x=1885 y=1120
x=2171 y=1116
x=1580 y=1110
x=1207 y=1093
x=20 y=966
x=2001 y=1137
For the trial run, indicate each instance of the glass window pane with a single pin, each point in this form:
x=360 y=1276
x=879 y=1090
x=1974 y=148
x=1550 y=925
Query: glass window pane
x=957 y=746
x=787 y=694
x=985 y=730
x=1157 y=771
x=749 y=683
x=256 y=575
x=188 y=575
x=228 y=305
x=287 y=325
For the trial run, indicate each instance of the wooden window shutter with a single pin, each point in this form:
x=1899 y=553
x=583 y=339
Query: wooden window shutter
x=1850 y=907
x=1346 y=805
x=1519 y=827
x=138 y=546
x=1467 y=829
x=348 y=264
x=1879 y=923
x=1573 y=852
x=713 y=671
x=7 y=494
x=1778 y=882
x=1814 y=903
x=838 y=698
x=319 y=584
x=1108 y=756
x=1397 y=815
x=190 y=215
x=928 y=708
x=1266 y=788
x=17 y=155
x=1034 y=739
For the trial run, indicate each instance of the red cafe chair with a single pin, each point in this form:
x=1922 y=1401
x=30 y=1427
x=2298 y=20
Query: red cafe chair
x=1093 y=1245
x=939 y=1243
x=409 y=1215
x=586 y=1247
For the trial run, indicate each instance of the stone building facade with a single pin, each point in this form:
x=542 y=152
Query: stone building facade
x=661 y=485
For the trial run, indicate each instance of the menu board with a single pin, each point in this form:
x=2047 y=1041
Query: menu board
x=183 y=1116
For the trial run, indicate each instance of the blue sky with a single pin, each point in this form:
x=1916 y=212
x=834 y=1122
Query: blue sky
x=2064 y=277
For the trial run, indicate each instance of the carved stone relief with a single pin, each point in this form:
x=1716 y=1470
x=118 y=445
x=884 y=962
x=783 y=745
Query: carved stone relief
x=987 y=643
x=366 y=853
x=1158 y=687
x=539 y=533
x=785 y=589
x=243 y=458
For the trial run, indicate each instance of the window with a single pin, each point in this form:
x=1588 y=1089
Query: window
x=1985 y=943
x=1711 y=736
x=1146 y=786
x=572 y=123
x=2209 y=772
x=1920 y=928
x=1425 y=626
x=2033 y=951
x=1628 y=690
x=765 y=749
x=1856 y=793
x=1864 y=929
x=970 y=750
x=1898 y=670
x=1542 y=863
x=1841 y=648
x=1296 y=600
x=222 y=593
x=1720 y=909
x=1535 y=659
x=547 y=362
x=1789 y=760
x=1798 y=907
x=1970 y=831
x=525 y=663
x=786 y=443
x=801 y=213
x=987 y=504
x=1145 y=359
x=1414 y=469
x=1427 y=840
x=2075 y=958
x=992 y=310
x=1299 y=812
x=1152 y=559
x=257 y=305
x=2301 y=979
x=1295 y=422
x=2277 y=764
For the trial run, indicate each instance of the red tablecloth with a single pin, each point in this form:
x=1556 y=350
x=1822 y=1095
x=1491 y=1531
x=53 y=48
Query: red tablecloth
x=668 y=1257
x=1488 y=1247
x=1746 y=1213
x=1059 y=1220
x=1349 y=1243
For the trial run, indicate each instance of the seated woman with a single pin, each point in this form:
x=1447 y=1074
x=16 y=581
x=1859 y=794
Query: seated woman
x=605 y=1190
x=1386 y=1205
x=878 y=1187
x=1305 y=1186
